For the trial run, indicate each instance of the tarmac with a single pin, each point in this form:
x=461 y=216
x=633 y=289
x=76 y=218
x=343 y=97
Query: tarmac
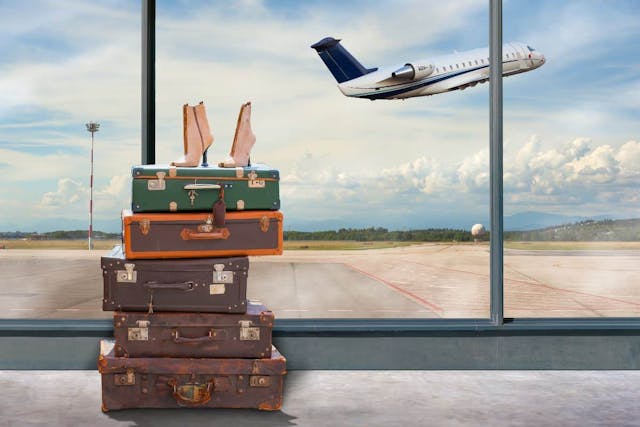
x=352 y=398
x=420 y=281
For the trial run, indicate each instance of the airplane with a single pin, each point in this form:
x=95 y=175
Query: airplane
x=440 y=74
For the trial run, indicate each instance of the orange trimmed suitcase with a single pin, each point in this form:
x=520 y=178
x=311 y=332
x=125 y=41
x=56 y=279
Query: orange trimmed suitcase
x=201 y=234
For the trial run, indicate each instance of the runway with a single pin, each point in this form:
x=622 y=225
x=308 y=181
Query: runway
x=425 y=281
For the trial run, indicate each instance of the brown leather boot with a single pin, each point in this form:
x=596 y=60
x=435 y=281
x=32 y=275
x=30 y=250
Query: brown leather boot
x=197 y=135
x=243 y=140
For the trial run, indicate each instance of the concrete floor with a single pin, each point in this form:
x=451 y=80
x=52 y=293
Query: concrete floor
x=353 y=398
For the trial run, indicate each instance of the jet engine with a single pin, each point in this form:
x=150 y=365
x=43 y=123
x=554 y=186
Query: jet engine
x=413 y=71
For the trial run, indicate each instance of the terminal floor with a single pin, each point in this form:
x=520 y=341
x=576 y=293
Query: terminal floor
x=353 y=398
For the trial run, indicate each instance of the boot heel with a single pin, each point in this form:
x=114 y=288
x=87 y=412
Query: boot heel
x=204 y=158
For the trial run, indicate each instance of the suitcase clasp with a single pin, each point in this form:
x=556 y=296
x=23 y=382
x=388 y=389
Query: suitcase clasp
x=248 y=332
x=259 y=381
x=128 y=275
x=129 y=378
x=221 y=276
x=254 y=182
x=157 y=184
x=145 y=225
x=141 y=333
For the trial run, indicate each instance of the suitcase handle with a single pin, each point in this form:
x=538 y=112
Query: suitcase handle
x=191 y=394
x=184 y=286
x=202 y=187
x=216 y=234
x=211 y=336
x=153 y=286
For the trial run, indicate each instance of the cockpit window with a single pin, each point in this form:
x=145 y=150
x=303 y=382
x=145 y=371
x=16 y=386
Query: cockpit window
x=530 y=48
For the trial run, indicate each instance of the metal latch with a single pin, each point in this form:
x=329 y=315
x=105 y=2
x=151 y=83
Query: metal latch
x=126 y=379
x=157 y=184
x=221 y=276
x=254 y=182
x=145 y=225
x=248 y=332
x=141 y=333
x=259 y=381
x=127 y=275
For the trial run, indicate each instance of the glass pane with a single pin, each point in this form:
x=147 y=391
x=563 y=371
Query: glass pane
x=572 y=161
x=346 y=163
x=63 y=66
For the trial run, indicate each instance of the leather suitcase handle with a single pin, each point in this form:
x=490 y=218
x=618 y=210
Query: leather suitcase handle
x=184 y=286
x=211 y=336
x=191 y=394
x=216 y=234
x=202 y=187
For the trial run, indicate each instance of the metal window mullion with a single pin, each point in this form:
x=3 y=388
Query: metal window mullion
x=496 y=166
x=148 y=153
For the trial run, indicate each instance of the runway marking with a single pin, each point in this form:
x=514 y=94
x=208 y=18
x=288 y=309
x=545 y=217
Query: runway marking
x=292 y=309
x=67 y=309
x=533 y=283
x=340 y=310
x=399 y=289
x=21 y=309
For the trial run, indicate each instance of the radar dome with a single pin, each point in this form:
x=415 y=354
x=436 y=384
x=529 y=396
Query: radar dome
x=477 y=230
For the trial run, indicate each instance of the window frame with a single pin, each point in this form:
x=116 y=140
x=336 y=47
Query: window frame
x=482 y=343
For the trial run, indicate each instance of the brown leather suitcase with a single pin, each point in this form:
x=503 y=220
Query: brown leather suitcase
x=163 y=382
x=194 y=334
x=201 y=234
x=215 y=285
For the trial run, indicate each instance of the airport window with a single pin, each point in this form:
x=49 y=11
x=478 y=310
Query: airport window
x=570 y=199
x=476 y=61
x=294 y=286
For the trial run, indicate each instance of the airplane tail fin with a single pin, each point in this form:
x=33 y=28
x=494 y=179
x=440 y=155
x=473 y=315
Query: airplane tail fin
x=339 y=61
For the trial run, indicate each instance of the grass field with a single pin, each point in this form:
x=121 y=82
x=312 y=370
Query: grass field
x=57 y=244
x=338 y=245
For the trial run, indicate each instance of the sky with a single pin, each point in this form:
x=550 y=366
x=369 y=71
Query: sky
x=571 y=128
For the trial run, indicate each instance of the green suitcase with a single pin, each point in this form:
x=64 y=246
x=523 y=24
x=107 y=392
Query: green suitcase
x=161 y=188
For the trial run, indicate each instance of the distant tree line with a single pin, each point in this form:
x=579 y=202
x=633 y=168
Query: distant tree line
x=382 y=234
x=58 y=235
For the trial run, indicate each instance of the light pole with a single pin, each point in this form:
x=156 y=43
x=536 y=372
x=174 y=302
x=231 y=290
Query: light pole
x=93 y=128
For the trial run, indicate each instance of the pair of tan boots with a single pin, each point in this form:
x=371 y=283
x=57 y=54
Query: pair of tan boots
x=198 y=138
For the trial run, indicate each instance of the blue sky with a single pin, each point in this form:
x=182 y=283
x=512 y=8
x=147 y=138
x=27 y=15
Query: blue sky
x=571 y=127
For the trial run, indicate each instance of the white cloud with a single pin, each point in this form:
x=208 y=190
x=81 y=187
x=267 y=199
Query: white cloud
x=68 y=194
x=71 y=198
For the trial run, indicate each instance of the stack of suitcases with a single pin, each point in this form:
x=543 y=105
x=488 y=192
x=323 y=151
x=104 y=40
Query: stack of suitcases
x=185 y=334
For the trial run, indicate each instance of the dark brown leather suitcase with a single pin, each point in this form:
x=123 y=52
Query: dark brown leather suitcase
x=164 y=382
x=194 y=334
x=201 y=234
x=217 y=285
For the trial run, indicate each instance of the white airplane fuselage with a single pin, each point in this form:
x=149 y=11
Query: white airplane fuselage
x=432 y=76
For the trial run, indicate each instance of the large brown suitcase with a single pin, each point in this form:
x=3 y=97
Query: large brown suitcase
x=194 y=334
x=198 y=235
x=164 y=382
x=215 y=285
